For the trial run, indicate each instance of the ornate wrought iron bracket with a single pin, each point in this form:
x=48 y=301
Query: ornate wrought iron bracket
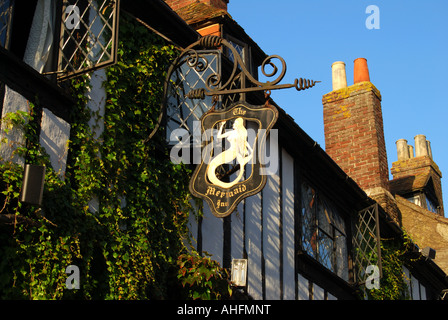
x=215 y=85
x=220 y=177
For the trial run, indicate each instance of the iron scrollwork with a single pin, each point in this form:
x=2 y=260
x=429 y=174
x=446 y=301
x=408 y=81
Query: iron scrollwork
x=233 y=136
x=214 y=84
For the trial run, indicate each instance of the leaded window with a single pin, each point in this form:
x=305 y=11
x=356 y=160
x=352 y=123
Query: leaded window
x=415 y=199
x=89 y=36
x=85 y=33
x=6 y=10
x=197 y=70
x=366 y=242
x=424 y=200
x=430 y=205
x=182 y=112
x=324 y=232
x=241 y=49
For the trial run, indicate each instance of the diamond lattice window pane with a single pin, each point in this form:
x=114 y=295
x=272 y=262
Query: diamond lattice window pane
x=182 y=112
x=89 y=30
x=240 y=49
x=229 y=99
x=366 y=242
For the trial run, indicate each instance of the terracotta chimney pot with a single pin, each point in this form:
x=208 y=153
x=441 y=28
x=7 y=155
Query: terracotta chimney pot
x=361 y=71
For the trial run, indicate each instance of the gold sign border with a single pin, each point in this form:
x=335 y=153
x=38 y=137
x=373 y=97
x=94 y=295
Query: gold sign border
x=199 y=179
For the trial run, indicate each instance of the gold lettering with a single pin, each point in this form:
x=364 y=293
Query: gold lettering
x=219 y=195
x=210 y=190
x=239 y=112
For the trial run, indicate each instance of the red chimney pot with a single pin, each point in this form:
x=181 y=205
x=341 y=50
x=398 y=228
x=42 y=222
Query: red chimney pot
x=361 y=71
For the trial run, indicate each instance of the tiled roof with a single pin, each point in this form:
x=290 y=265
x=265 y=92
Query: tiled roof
x=409 y=183
x=197 y=12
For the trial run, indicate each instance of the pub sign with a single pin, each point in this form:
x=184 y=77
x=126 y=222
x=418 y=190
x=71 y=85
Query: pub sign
x=233 y=139
x=233 y=149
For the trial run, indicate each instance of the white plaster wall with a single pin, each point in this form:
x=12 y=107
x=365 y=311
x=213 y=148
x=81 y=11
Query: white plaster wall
x=36 y=55
x=97 y=105
x=11 y=139
x=97 y=99
x=253 y=245
x=97 y=102
x=41 y=36
x=318 y=292
x=257 y=222
x=193 y=228
x=237 y=232
x=288 y=225
x=55 y=132
x=212 y=234
x=54 y=136
x=96 y=93
x=271 y=223
x=303 y=288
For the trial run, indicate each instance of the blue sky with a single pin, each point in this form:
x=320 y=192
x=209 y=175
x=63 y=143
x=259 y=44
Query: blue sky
x=407 y=58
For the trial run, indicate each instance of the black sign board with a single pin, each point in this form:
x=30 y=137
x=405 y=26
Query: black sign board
x=233 y=148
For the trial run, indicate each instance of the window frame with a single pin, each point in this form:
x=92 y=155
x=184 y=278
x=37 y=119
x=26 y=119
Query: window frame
x=245 y=50
x=321 y=200
x=430 y=204
x=172 y=110
x=65 y=68
x=425 y=199
x=6 y=26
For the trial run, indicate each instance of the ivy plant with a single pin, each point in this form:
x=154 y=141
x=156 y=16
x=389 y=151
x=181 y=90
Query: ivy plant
x=393 y=284
x=120 y=212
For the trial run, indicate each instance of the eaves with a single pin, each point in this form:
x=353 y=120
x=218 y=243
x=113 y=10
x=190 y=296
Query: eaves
x=160 y=17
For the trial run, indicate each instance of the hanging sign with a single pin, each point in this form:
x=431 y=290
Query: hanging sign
x=233 y=140
x=233 y=147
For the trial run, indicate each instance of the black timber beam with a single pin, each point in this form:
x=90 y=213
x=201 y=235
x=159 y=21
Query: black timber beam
x=158 y=15
x=35 y=87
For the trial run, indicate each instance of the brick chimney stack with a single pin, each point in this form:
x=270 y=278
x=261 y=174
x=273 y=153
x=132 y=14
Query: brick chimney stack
x=178 y=4
x=354 y=135
x=415 y=173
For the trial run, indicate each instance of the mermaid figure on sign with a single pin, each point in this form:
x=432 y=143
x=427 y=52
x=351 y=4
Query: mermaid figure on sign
x=239 y=150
